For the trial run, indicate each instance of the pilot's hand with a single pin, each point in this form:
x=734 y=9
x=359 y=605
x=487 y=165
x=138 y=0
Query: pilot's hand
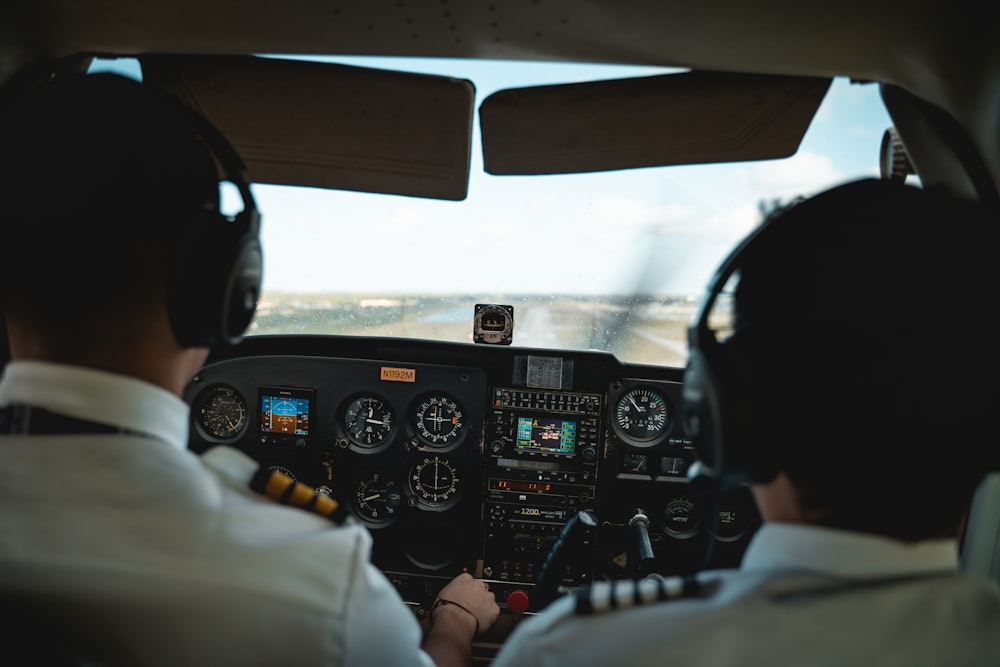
x=470 y=596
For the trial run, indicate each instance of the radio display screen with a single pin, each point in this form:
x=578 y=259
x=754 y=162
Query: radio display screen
x=541 y=434
x=519 y=485
x=285 y=410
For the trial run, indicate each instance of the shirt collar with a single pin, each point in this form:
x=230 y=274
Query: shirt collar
x=780 y=545
x=98 y=396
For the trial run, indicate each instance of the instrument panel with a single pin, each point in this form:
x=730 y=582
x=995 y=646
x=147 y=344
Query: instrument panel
x=478 y=458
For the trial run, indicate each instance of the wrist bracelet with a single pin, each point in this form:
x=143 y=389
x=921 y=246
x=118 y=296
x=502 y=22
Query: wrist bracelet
x=442 y=601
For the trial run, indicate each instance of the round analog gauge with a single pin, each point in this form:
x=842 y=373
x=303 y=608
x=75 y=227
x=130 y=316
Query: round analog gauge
x=680 y=518
x=439 y=421
x=221 y=412
x=377 y=500
x=642 y=415
x=434 y=482
x=368 y=421
x=633 y=462
x=736 y=514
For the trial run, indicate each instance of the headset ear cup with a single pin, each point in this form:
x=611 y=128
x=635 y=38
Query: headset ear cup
x=173 y=161
x=723 y=415
x=703 y=412
x=243 y=290
x=214 y=282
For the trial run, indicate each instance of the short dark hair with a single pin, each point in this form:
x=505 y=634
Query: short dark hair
x=97 y=175
x=861 y=320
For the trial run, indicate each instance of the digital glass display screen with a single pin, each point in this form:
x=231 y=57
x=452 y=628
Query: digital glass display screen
x=539 y=434
x=285 y=410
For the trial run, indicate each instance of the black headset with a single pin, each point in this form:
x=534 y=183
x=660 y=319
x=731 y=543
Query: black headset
x=721 y=410
x=713 y=384
x=214 y=277
x=213 y=284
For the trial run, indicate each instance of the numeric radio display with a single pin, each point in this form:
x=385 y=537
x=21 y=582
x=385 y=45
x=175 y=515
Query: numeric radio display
x=519 y=485
x=539 y=513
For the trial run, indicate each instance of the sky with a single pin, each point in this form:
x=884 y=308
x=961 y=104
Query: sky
x=659 y=230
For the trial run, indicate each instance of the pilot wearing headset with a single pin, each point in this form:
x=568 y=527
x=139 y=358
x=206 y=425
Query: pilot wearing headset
x=118 y=273
x=854 y=388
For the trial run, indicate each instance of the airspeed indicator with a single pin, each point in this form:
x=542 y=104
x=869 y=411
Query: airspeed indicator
x=642 y=416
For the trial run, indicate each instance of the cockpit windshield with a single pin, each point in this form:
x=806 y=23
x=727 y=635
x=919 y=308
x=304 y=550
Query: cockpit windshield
x=610 y=260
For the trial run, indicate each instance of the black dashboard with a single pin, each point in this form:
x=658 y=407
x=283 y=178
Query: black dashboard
x=476 y=457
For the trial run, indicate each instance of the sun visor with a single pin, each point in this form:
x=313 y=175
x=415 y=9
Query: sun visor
x=686 y=118
x=329 y=125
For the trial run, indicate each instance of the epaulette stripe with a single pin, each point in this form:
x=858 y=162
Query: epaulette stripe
x=600 y=600
x=301 y=495
x=648 y=590
x=673 y=587
x=325 y=505
x=280 y=487
x=625 y=593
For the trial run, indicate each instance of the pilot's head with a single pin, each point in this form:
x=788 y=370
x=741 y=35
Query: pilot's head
x=858 y=359
x=110 y=195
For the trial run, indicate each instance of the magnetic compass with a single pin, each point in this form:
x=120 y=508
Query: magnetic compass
x=493 y=324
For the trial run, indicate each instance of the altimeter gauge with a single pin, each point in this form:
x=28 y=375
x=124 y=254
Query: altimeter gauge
x=369 y=421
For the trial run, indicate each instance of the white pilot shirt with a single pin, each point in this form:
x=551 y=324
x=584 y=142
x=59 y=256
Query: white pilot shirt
x=161 y=560
x=803 y=595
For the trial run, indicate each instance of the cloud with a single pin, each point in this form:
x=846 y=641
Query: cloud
x=804 y=173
